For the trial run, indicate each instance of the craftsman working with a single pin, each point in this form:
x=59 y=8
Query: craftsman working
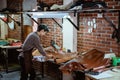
x=32 y=41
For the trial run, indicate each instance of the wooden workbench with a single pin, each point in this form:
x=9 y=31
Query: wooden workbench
x=8 y=53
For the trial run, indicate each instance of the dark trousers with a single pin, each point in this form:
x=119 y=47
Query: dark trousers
x=26 y=67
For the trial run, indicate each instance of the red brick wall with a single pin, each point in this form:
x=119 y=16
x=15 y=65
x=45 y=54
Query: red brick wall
x=101 y=37
x=54 y=33
x=50 y=23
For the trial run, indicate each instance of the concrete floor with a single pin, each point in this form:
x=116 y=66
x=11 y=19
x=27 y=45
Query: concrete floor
x=16 y=76
x=10 y=76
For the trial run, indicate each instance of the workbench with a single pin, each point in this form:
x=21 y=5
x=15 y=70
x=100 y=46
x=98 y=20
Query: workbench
x=5 y=52
x=48 y=68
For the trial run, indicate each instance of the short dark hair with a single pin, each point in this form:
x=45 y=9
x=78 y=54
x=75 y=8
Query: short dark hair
x=43 y=27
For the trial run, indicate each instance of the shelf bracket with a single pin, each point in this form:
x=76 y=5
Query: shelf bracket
x=13 y=19
x=116 y=32
x=33 y=19
x=73 y=24
x=56 y=22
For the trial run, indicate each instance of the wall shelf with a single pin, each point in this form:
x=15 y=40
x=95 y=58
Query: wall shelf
x=61 y=14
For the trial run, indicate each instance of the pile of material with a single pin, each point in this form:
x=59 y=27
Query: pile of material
x=57 y=57
x=92 y=60
x=80 y=5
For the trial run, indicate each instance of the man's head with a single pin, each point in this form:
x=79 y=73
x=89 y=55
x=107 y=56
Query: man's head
x=42 y=29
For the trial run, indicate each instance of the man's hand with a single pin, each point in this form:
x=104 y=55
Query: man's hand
x=49 y=48
x=49 y=57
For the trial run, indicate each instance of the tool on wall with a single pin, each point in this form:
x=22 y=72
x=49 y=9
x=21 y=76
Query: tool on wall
x=53 y=44
x=53 y=41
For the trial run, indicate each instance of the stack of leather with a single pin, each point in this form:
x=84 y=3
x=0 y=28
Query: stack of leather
x=91 y=60
x=94 y=59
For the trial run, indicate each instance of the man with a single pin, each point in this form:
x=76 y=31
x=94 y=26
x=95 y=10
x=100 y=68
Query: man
x=32 y=41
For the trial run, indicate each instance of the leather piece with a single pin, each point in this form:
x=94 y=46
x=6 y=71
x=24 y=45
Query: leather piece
x=91 y=60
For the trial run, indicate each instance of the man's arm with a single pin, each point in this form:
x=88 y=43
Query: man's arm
x=38 y=45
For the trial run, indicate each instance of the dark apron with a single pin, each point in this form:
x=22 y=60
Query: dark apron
x=28 y=61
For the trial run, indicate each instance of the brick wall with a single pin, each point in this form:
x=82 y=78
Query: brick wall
x=101 y=37
x=54 y=34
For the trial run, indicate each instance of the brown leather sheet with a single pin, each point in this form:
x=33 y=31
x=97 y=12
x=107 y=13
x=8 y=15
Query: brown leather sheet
x=92 y=59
